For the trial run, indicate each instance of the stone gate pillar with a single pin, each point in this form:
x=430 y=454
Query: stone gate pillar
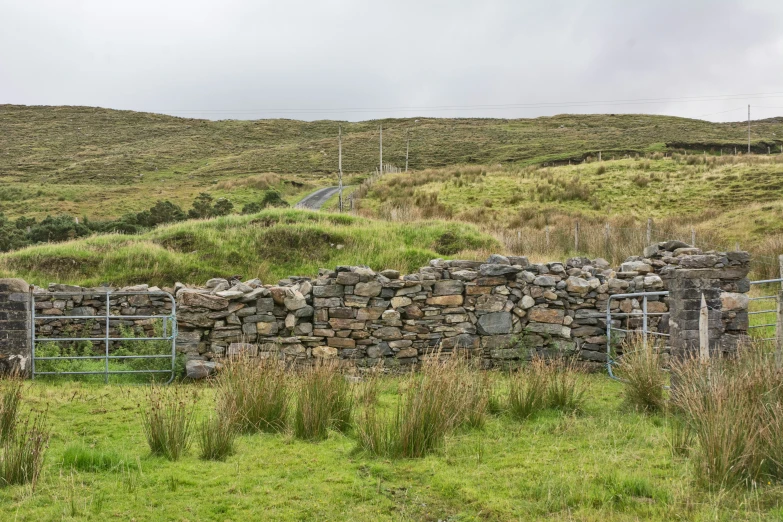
x=722 y=278
x=14 y=326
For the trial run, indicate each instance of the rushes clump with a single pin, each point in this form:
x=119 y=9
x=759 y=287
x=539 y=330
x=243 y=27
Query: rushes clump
x=734 y=409
x=527 y=390
x=429 y=407
x=255 y=395
x=476 y=390
x=554 y=383
x=10 y=397
x=167 y=420
x=324 y=400
x=565 y=389
x=23 y=453
x=217 y=437
x=640 y=369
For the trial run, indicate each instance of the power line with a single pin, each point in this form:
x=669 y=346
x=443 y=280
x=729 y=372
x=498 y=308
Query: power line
x=638 y=101
x=721 y=112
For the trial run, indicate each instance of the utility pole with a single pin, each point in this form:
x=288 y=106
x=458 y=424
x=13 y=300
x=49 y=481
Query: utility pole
x=748 y=128
x=380 y=159
x=340 y=166
x=407 y=147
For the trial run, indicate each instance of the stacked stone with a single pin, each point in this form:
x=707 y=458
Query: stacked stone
x=14 y=325
x=721 y=277
x=68 y=300
x=358 y=314
x=246 y=318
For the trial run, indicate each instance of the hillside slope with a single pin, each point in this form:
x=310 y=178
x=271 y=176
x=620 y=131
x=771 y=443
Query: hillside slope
x=82 y=144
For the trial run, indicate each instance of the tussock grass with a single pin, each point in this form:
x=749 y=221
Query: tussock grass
x=254 y=394
x=432 y=403
x=565 y=389
x=554 y=383
x=641 y=369
x=477 y=390
x=167 y=421
x=527 y=390
x=86 y=458
x=10 y=397
x=217 y=437
x=23 y=453
x=733 y=408
x=324 y=400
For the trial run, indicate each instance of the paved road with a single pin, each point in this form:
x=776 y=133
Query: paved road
x=316 y=200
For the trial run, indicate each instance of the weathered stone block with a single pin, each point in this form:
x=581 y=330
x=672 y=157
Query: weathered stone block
x=495 y=323
x=546 y=315
x=445 y=300
x=448 y=287
x=199 y=300
x=341 y=342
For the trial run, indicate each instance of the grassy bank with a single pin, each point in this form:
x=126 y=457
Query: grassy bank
x=721 y=200
x=269 y=245
x=606 y=463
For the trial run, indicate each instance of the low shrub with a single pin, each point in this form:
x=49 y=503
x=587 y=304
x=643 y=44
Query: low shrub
x=167 y=421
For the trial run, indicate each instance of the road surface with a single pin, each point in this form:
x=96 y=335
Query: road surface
x=317 y=199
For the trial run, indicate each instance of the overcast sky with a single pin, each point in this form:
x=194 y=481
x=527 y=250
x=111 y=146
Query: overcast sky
x=364 y=59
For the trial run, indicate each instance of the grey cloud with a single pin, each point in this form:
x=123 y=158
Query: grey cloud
x=260 y=57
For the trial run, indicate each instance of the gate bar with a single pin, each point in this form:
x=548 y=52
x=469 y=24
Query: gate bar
x=106 y=338
x=644 y=296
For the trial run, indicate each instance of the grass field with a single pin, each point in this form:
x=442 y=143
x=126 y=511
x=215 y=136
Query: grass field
x=606 y=463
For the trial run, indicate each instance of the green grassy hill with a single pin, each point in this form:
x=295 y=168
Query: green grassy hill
x=84 y=160
x=270 y=245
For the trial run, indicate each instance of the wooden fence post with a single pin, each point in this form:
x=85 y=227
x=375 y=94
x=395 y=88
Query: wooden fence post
x=649 y=231
x=780 y=264
x=576 y=236
x=546 y=229
x=693 y=237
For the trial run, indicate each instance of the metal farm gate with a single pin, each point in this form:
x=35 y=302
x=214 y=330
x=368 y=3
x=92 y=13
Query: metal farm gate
x=642 y=313
x=770 y=307
x=773 y=310
x=107 y=321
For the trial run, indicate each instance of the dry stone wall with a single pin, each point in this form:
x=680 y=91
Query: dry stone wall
x=501 y=311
